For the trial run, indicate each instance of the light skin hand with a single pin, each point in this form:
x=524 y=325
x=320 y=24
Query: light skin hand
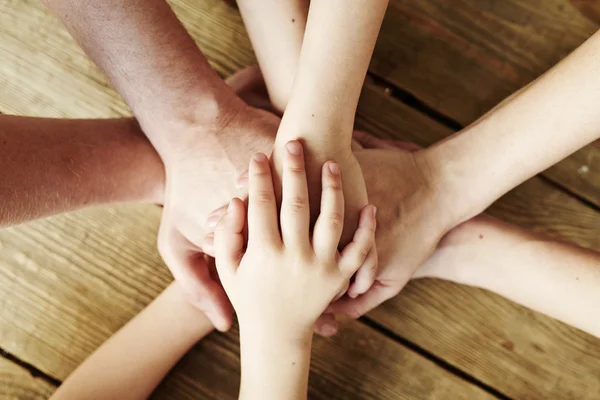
x=282 y=282
x=412 y=221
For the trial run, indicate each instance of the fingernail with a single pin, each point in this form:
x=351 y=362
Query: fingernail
x=209 y=239
x=260 y=157
x=374 y=211
x=213 y=220
x=328 y=329
x=230 y=207
x=294 y=147
x=242 y=183
x=243 y=176
x=334 y=168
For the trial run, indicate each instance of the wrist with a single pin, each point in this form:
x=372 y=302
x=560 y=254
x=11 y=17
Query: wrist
x=187 y=124
x=274 y=365
x=455 y=200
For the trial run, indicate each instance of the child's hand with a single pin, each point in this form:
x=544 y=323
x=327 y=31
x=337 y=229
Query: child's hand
x=282 y=282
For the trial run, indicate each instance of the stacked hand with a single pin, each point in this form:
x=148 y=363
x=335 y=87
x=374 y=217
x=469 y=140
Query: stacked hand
x=201 y=172
x=281 y=282
x=413 y=217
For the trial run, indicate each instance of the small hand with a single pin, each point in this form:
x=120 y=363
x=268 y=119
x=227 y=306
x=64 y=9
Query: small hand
x=282 y=282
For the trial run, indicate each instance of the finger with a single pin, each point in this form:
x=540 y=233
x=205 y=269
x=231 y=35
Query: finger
x=356 y=308
x=262 y=210
x=190 y=269
x=246 y=79
x=229 y=239
x=326 y=325
x=242 y=180
x=355 y=253
x=208 y=244
x=365 y=276
x=214 y=217
x=329 y=225
x=295 y=213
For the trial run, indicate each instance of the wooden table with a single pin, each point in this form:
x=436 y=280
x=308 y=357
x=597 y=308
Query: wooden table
x=67 y=283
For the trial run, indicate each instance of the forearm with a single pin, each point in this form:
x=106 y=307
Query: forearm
x=275 y=368
x=56 y=165
x=532 y=130
x=338 y=44
x=558 y=279
x=134 y=361
x=276 y=29
x=153 y=62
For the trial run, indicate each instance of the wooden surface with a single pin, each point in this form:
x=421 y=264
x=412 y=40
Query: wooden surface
x=16 y=383
x=67 y=283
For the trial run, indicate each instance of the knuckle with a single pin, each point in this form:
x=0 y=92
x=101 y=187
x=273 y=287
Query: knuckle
x=336 y=219
x=296 y=169
x=264 y=197
x=354 y=312
x=297 y=204
x=261 y=173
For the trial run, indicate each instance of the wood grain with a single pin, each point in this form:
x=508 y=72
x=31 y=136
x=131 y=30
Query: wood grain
x=442 y=318
x=71 y=281
x=16 y=383
x=462 y=57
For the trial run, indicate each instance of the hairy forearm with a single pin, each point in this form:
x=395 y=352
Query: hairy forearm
x=532 y=130
x=558 y=279
x=273 y=367
x=276 y=29
x=56 y=165
x=153 y=62
x=134 y=361
x=338 y=44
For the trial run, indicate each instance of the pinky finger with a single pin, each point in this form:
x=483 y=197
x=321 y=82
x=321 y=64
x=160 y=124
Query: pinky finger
x=356 y=252
x=365 y=276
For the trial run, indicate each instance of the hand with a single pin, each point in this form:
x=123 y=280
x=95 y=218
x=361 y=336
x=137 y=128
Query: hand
x=200 y=176
x=355 y=195
x=283 y=282
x=413 y=217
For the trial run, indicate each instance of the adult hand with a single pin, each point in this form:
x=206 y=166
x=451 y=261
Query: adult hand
x=412 y=219
x=201 y=175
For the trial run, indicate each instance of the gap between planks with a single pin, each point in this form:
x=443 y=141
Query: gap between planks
x=419 y=105
x=32 y=369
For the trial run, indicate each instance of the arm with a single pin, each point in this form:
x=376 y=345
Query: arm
x=154 y=64
x=135 y=359
x=338 y=44
x=52 y=166
x=276 y=29
x=527 y=133
x=204 y=133
x=281 y=282
x=558 y=279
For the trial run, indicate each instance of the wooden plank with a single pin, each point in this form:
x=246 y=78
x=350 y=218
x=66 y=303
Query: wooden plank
x=557 y=216
x=462 y=57
x=16 y=383
x=69 y=282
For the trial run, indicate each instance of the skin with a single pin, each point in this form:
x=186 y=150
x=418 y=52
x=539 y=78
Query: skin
x=134 y=360
x=558 y=279
x=458 y=178
x=281 y=282
x=53 y=166
x=204 y=133
x=305 y=76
